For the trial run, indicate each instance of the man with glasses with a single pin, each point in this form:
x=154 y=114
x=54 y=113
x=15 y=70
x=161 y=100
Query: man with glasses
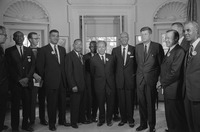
x=34 y=41
x=3 y=80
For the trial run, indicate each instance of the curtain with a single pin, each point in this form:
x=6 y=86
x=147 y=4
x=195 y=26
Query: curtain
x=193 y=10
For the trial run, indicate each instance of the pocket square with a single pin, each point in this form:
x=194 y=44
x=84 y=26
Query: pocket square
x=131 y=56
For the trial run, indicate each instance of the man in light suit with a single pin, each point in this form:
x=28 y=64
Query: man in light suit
x=182 y=40
x=191 y=78
x=3 y=80
x=102 y=70
x=125 y=69
x=75 y=71
x=149 y=57
x=34 y=41
x=171 y=79
x=51 y=67
x=21 y=66
x=91 y=105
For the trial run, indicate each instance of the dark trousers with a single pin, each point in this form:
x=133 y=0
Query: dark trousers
x=175 y=115
x=20 y=93
x=192 y=109
x=40 y=91
x=116 y=104
x=146 y=99
x=77 y=104
x=56 y=99
x=41 y=101
x=126 y=103
x=105 y=98
x=34 y=91
x=91 y=105
x=3 y=103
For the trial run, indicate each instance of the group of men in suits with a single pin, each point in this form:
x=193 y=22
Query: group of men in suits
x=97 y=78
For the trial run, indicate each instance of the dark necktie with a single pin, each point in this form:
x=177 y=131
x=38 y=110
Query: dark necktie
x=123 y=55
x=190 y=53
x=56 y=53
x=80 y=57
x=21 y=53
x=102 y=58
x=145 y=51
x=168 y=51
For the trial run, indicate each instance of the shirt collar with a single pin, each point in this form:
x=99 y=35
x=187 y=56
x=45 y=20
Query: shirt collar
x=52 y=45
x=104 y=55
x=171 y=48
x=126 y=47
x=180 y=40
x=195 y=43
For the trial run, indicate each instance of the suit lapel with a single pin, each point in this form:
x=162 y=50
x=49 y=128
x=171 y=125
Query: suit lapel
x=170 y=53
x=52 y=53
x=128 y=55
x=17 y=52
x=149 y=51
x=76 y=56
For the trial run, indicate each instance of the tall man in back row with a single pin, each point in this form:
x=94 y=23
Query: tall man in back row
x=149 y=57
x=125 y=66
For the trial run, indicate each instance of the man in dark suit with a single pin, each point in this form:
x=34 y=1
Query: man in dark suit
x=149 y=57
x=171 y=79
x=21 y=65
x=51 y=67
x=91 y=105
x=191 y=77
x=182 y=40
x=34 y=41
x=125 y=69
x=3 y=80
x=102 y=70
x=75 y=71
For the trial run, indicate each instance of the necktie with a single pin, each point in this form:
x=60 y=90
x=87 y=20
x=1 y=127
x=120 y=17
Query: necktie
x=123 y=55
x=168 y=51
x=56 y=53
x=80 y=57
x=145 y=51
x=102 y=58
x=190 y=53
x=21 y=52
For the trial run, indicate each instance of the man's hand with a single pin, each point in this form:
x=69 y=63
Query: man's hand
x=37 y=77
x=24 y=82
x=75 y=89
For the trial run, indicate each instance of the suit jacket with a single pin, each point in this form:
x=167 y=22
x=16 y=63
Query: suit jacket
x=75 y=71
x=185 y=44
x=192 y=75
x=48 y=67
x=149 y=68
x=125 y=74
x=171 y=76
x=3 y=72
x=18 y=67
x=103 y=74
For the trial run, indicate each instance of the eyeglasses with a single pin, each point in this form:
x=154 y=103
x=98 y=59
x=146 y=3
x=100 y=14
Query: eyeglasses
x=36 y=38
x=5 y=35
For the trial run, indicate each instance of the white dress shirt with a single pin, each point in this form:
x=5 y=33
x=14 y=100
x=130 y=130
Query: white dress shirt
x=52 y=45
